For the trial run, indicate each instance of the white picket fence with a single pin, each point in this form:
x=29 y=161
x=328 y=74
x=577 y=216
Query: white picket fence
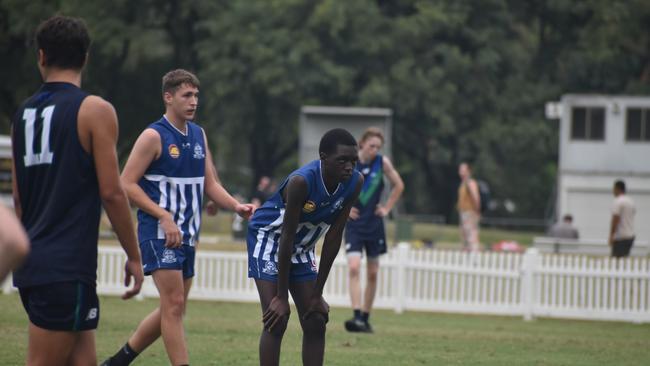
x=528 y=285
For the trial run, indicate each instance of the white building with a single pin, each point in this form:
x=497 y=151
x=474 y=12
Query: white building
x=316 y=120
x=603 y=138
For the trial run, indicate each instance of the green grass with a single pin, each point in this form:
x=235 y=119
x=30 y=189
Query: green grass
x=444 y=236
x=227 y=334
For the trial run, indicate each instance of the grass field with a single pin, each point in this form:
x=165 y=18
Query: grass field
x=227 y=334
x=443 y=236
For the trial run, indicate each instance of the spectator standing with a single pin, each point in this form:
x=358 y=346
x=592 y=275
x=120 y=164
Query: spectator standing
x=469 y=208
x=621 y=233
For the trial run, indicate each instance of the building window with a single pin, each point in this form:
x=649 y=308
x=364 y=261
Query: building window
x=637 y=124
x=588 y=123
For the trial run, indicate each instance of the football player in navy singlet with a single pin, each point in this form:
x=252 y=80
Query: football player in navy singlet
x=365 y=229
x=282 y=234
x=165 y=176
x=65 y=169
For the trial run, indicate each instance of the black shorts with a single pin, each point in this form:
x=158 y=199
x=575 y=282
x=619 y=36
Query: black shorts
x=66 y=306
x=374 y=246
x=622 y=247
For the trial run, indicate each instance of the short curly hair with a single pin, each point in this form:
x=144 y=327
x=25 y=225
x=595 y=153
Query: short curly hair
x=174 y=79
x=332 y=138
x=64 y=42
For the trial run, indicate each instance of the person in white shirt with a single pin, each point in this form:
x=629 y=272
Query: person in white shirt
x=621 y=233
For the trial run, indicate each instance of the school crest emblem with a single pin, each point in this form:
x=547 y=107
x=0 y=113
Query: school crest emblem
x=174 y=152
x=309 y=206
x=168 y=256
x=198 y=152
x=270 y=268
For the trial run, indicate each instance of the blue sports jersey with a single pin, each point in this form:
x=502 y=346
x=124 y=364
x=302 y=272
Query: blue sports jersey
x=58 y=188
x=319 y=212
x=175 y=181
x=368 y=224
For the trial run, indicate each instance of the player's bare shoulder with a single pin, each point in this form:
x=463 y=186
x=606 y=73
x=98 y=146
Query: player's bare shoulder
x=95 y=108
x=96 y=117
x=387 y=164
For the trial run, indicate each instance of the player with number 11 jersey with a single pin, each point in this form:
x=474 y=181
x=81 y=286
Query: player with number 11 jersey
x=58 y=188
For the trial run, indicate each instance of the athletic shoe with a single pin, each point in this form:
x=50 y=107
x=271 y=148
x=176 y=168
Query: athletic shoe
x=368 y=328
x=356 y=325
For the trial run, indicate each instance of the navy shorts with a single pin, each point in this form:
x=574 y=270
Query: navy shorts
x=374 y=245
x=267 y=270
x=62 y=306
x=622 y=247
x=156 y=256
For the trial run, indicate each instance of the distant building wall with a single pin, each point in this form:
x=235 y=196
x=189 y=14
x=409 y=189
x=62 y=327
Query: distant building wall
x=603 y=138
x=315 y=121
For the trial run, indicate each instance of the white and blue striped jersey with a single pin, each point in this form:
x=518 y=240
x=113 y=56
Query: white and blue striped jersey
x=319 y=211
x=175 y=181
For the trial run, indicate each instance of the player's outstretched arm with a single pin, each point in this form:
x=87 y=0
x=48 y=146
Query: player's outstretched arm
x=98 y=129
x=14 y=244
x=211 y=207
x=295 y=195
x=217 y=193
x=332 y=241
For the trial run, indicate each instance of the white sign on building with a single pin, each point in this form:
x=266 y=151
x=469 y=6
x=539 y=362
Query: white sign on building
x=603 y=138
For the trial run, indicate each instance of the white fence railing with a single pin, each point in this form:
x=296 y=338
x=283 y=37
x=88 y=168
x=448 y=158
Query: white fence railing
x=528 y=285
x=545 y=244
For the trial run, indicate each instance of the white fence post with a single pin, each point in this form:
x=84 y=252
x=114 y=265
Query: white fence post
x=529 y=266
x=403 y=249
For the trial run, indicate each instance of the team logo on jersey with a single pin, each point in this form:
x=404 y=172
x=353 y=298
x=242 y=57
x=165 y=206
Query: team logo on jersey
x=309 y=206
x=270 y=268
x=198 y=152
x=168 y=256
x=365 y=171
x=338 y=204
x=174 y=152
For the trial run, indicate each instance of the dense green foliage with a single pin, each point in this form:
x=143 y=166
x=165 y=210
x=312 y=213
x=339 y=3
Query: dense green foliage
x=467 y=80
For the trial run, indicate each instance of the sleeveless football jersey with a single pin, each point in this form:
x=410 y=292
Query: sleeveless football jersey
x=175 y=181
x=368 y=223
x=319 y=212
x=58 y=188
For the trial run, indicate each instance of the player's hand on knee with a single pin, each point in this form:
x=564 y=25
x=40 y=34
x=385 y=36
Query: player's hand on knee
x=276 y=314
x=318 y=305
x=173 y=235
